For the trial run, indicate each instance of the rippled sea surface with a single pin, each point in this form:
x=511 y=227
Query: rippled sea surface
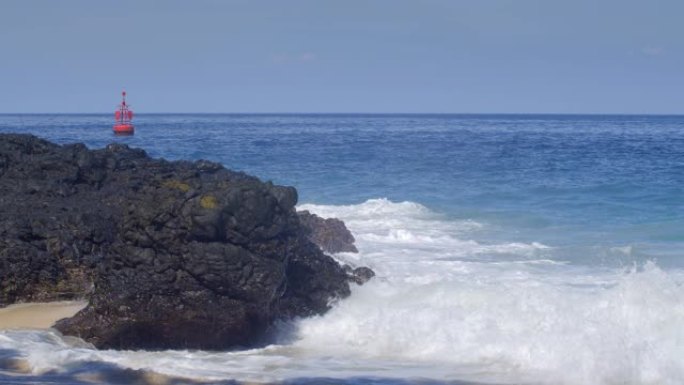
x=509 y=248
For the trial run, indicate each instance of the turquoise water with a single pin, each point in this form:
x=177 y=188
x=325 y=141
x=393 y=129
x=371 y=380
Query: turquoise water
x=534 y=249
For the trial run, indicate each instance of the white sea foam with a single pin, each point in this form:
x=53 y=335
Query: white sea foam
x=447 y=305
x=468 y=303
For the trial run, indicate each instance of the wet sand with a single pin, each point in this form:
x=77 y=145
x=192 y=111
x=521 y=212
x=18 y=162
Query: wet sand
x=37 y=315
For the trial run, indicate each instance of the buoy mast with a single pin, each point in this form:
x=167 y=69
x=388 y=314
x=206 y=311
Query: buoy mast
x=123 y=117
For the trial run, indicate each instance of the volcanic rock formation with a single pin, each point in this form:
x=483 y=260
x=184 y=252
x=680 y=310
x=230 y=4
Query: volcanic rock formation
x=170 y=254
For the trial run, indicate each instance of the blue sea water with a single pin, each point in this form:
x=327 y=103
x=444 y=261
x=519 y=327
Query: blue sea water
x=570 y=180
x=524 y=248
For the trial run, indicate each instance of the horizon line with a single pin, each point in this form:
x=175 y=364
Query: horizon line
x=364 y=113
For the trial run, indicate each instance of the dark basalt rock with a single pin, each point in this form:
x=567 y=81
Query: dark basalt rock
x=330 y=234
x=361 y=275
x=170 y=254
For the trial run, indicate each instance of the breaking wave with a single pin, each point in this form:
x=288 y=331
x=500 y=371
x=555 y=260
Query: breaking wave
x=446 y=305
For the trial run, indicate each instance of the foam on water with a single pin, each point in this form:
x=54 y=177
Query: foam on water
x=447 y=305
x=528 y=317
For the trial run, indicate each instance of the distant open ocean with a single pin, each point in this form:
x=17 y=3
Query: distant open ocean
x=521 y=249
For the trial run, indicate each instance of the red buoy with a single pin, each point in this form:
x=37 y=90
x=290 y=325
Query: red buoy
x=123 y=117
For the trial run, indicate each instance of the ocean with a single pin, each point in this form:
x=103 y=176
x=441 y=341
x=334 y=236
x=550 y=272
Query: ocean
x=509 y=249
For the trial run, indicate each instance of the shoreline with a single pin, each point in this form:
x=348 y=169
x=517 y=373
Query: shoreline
x=38 y=315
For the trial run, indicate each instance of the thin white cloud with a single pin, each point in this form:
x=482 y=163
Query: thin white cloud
x=652 y=51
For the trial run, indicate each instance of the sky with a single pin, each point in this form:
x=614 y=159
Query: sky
x=325 y=56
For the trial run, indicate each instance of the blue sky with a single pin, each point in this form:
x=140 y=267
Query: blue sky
x=451 y=56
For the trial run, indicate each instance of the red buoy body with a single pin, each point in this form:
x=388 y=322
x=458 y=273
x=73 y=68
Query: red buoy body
x=123 y=117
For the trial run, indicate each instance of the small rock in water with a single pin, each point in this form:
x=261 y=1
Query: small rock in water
x=330 y=234
x=359 y=275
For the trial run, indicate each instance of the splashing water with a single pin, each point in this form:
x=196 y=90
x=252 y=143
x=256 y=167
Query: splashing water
x=445 y=307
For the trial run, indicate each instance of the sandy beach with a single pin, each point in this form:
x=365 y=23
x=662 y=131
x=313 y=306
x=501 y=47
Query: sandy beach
x=37 y=315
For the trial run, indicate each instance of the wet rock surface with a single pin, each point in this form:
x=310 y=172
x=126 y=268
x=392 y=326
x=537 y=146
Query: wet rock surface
x=170 y=254
x=330 y=234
